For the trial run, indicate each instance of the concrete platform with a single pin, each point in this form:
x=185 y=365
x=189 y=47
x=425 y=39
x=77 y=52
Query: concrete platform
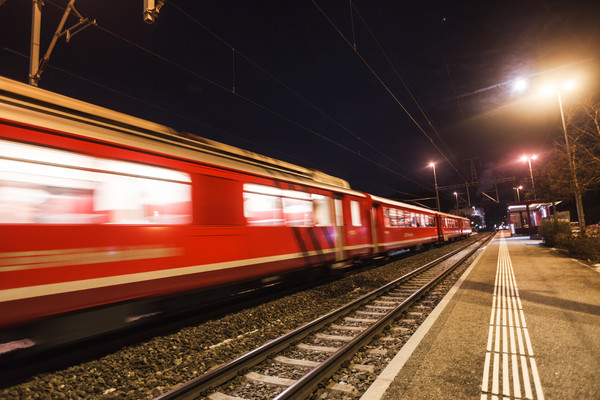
x=523 y=323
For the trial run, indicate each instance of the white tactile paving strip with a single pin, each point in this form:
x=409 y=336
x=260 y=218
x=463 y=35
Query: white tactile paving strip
x=510 y=370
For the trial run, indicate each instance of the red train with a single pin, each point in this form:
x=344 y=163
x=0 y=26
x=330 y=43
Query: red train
x=104 y=212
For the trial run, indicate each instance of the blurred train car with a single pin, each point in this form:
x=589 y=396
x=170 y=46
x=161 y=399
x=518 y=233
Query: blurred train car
x=122 y=218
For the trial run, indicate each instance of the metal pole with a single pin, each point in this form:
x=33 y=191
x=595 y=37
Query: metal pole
x=437 y=195
x=578 y=202
x=468 y=195
x=531 y=174
x=34 y=52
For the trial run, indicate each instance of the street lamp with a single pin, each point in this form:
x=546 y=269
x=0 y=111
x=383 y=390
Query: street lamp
x=518 y=188
x=528 y=159
x=579 y=204
x=437 y=195
x=456 y=197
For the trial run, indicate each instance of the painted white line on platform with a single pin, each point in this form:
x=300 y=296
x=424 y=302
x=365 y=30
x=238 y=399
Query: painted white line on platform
x=507 y=303
x=387 y=376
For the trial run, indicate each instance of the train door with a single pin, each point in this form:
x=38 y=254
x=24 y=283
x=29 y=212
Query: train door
x=439 y=221
x=339 y=230
x=375 y=223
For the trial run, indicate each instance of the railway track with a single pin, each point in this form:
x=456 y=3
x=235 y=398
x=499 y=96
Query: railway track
x=294 y=365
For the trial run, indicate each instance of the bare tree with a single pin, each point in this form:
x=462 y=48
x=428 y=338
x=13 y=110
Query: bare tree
x=554 y=178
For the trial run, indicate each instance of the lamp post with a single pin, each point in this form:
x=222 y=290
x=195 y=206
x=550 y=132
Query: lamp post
x=528 y=159
x=456 y=197
x=437 y=195
x=575 y=182
x=518 y=188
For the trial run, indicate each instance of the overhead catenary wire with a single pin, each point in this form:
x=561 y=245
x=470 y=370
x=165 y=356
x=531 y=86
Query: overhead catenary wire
x=263 y=107
x=386 y=87
x=298 y=95
x=401 y=79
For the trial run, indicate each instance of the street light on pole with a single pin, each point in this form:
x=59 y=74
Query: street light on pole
x=456 y=197
x=579 y=204
x=437 y=195
x=518 y=188
x=528 y=159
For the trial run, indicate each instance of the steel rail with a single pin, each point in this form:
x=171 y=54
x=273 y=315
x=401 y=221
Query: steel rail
x=193 y=388
x=309 y=382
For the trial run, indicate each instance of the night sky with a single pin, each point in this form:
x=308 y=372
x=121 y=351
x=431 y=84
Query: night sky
x=429 y=80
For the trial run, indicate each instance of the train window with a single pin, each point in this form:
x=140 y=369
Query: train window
x=404 y=218
x=355 y=213
x=396 y=217
x=262 y=205
x=322 y=210
x=266 y=205
x=297 y=208
x=387 y=217
x=47 y=186
x=413 y=220
x=431 y=221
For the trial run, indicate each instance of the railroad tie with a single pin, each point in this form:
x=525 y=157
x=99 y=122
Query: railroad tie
x=361 y=320
x=362 y=367
x=295 y=362
x=268 y=379
x=223 y=396
x=341 y=388
x=370 y=313
x=379 y=307
x=334 y=337
x=384 y=302
x=312 y=347
x=347 y=328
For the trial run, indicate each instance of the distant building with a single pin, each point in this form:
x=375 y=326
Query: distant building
x=525 y=217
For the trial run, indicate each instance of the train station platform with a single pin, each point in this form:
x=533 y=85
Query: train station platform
x=523 y=322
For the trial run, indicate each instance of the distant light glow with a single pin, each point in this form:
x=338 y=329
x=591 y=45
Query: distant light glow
x=527 y=158
x=432 y=164
x=569 y=85
x=520 y=85
x=548 y=89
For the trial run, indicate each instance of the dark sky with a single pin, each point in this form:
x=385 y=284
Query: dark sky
x=430 y=80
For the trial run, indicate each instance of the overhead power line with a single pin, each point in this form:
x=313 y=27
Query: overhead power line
x=263 y=107
x=385 y=86
x=295 y=93
x=399 y=76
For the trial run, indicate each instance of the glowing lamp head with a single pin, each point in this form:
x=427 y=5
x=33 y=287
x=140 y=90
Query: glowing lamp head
x=432 y=164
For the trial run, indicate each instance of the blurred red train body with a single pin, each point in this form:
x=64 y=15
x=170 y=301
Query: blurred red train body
x=100 y=208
